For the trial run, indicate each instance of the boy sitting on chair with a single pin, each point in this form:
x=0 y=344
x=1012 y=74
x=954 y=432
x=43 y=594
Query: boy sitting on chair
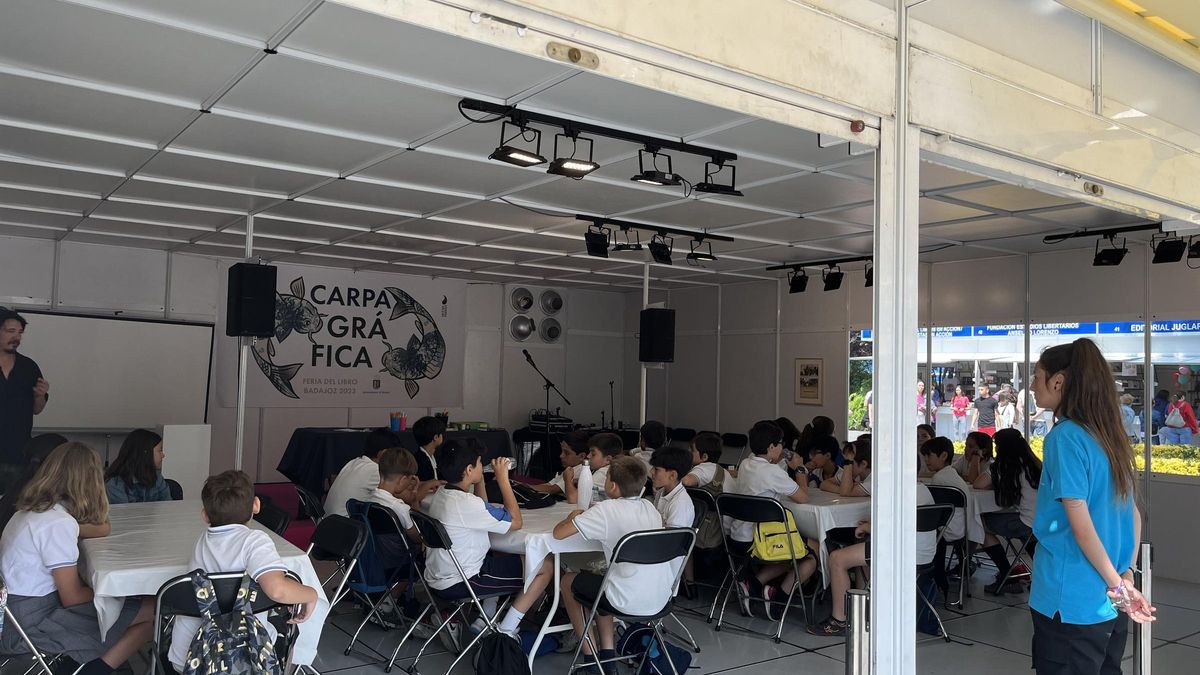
x=634 y=589
x=573 y=449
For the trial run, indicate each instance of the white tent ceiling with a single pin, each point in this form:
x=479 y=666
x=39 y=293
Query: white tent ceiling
x=346 y=143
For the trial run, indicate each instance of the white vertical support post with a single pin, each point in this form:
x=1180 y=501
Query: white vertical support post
x=894 y=474
x=1147 y=395
x=645 y=304
x=239 y=442
x=1026 y=386
x=779 y=344
x=929 y=417
x=717 y=369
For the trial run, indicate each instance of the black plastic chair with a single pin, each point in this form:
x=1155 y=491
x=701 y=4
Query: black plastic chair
x=733 y=448
x=435 y=537
x=946 y=494
x=757 y=510
x=310 y=503
x=700 y=506
x=175 y=488
x=272 y=517
x=177 y=597
x=339 y=540
x=681 y=437
x=933 y=518
x=653 y=547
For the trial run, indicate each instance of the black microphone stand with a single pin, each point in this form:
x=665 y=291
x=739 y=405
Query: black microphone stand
x=547 y=386
x=612 y=407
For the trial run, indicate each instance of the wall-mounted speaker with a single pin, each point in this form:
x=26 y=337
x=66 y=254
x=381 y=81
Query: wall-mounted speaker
x=521 y=299
x=250 y=301
x=521 y=328
x=656 y=337
x=552 y=302
x=550 y=330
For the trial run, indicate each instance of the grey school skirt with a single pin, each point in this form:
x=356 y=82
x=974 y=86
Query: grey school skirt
x=73 y=631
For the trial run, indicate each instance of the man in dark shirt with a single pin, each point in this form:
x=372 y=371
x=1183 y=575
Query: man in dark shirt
x=23 y=394
x=984 y=418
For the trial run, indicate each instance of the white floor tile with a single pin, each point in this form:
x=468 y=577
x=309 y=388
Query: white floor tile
x=808 y=664
x=1007 y=628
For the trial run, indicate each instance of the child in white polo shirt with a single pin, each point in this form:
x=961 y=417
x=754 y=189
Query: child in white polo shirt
x=602 y=448
x=635 y=589
x=760 y=475
x=706 y=450
x=462 y=508
x=651 y=437
x=573 y=449
x=228 y=545
x=360 y=476
x=671 y=499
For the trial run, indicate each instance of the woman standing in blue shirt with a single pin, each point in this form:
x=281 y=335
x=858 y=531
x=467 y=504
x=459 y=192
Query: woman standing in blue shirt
x=1087 y=522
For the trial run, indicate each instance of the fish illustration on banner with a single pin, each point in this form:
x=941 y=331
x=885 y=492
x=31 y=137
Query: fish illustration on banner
x=293 y=314
x=425 y=353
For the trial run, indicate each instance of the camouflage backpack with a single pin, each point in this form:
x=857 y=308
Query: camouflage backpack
x=233 y=644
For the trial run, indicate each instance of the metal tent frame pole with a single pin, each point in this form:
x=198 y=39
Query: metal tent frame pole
x=239 y=443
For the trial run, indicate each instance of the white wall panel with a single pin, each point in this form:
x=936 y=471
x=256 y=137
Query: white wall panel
x=1174 y=291
x=692 y=382
x=747 y=380
x=594 y=310
x=695 y=309
x=748 y=306
x=816 y=309
x=861 y=304
x=1065 y=286
x=830 y=346
x=522 y=388
x=592 y=361
x=978 y=291
x=26 y=271
x=111 y=277
x=194 y=285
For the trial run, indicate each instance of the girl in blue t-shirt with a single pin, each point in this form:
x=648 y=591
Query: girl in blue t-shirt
x=1087 y=522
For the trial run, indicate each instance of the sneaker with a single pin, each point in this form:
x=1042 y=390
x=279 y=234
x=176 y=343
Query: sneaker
x=380 y=619
x=830 y=627
x=451 y=635
x=768 y=595
x=477 y=626
x=1019 y=569
x=744 y=597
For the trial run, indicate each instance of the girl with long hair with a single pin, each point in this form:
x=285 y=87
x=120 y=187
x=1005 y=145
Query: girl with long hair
x=1014 y=477
x=1087 y=521
x=39 y=557
x=136 y=474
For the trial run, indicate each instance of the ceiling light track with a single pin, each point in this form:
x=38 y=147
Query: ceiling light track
x=1104 y=232
x=821 y=263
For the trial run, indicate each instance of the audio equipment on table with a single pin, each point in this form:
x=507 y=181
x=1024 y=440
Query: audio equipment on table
x=538 y=421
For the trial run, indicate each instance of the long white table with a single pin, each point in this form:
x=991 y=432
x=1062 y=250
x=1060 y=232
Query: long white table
x=535 y=540
x=823 y=512
x=153 y=543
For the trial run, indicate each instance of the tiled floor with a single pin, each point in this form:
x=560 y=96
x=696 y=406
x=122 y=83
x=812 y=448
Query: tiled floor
x=998 y=629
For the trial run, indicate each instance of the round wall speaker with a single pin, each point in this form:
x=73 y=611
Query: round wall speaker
x=522 y=299
x=521 y=328
x=552 y=302
x=550 y=330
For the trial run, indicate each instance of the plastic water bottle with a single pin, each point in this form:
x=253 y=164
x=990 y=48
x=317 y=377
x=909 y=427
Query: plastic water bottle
x=584 y=485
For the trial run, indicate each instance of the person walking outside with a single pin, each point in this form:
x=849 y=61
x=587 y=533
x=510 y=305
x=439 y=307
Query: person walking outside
x=1180 y=423
x=959 y=405
x=1087 y=521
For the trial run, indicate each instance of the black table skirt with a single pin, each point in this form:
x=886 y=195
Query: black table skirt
x=314 y=454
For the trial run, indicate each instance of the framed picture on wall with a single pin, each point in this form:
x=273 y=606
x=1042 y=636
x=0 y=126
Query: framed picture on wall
x=810 y=389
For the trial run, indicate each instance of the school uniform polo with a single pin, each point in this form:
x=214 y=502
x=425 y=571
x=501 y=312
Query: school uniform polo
x=398 y=506
x=1064 y=582
x=357 y=480
x=426 y=464
x=228 y=548
x=676 y=507
x=33 y=546
x=634 y=589
x=759 y=478
x=704 y=473
x=468 y=520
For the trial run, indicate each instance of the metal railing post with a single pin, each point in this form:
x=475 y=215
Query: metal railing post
x=858 y=638
x=1142 y=643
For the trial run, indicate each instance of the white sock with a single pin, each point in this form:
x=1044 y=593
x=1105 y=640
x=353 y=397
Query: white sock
x=511 y=620
x=489 y=605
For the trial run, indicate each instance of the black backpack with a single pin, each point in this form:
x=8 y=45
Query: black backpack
x=527 y=497
x=500 y=655
x=638 y=638
x=234 y=644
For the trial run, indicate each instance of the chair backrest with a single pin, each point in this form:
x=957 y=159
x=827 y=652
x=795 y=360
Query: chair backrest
x=651 y=547
x=933 y=517
x=177 y=597
x=272 y=517
x=432 y=532
x=175 y=489
x=702 y=495
x=738 y=441
x=750 y=509
x=310 y=504
x=681 y=436
x=700 y=505
x=733 y=448
x=948 y=494
x=338 y=538
x=383 y=520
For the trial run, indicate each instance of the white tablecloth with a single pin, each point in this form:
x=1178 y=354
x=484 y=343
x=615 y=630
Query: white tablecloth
x=823 y=512
x=152 y=543
x=535 y=540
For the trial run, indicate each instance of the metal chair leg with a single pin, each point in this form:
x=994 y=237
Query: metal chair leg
x=407 y=634
x=713 y=609
x=662 y=646
x=687 y=633
x=936 y=616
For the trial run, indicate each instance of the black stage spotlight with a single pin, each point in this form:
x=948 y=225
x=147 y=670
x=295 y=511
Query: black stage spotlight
x=832 y=277
x=596 y=239
x=1193 y=250
x=653 y=176
x=797 y=281
x=511 y=154
x=697 y=255
x=660 y=249
x=709 y=186
x=1169 y=250
x=635 y=245
x=870 y=275
x=1112 y=256
x=572 y=167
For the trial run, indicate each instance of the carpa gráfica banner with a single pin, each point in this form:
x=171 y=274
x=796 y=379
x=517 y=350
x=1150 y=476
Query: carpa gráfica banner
x=350 y=339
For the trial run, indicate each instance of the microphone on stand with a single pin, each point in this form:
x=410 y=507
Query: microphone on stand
x=527 y=356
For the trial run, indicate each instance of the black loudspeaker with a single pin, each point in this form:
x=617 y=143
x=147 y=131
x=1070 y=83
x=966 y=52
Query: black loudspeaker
x=250 y=305
x=656 y=340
